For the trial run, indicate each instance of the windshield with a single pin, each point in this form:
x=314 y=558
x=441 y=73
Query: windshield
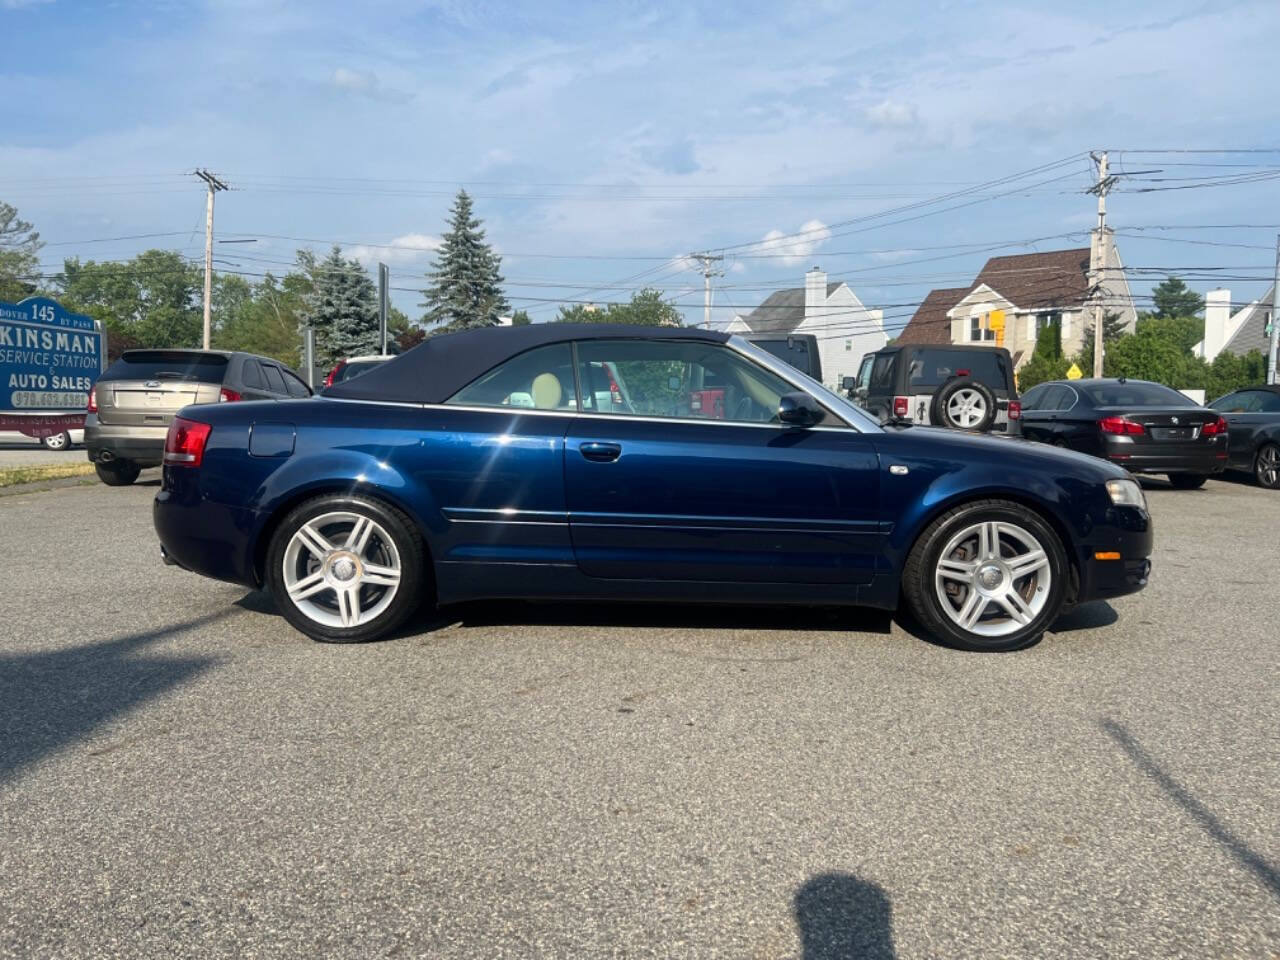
x=855 y=415
x=1134 y=393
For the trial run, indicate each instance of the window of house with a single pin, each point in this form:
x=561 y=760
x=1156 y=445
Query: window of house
x=976 y=332
x=848 y=346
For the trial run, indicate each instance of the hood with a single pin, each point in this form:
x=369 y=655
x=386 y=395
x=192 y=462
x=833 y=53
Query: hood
x=941 y=442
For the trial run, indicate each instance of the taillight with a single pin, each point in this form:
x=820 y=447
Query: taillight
x=226 y=395
x=1121 y=426
x=1215 y=428
x=93 y=400
x=901 y=405
x=337 y=368
x=184 y=444
x=1015 y=409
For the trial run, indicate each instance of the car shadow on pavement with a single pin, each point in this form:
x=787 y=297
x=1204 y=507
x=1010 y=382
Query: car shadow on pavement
x=53 y=698
x=1256 y=863
x=841 y=917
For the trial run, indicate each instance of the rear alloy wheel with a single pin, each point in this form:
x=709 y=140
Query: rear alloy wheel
x=58 y=441
x=988 y=575
x=117 y=473
x=1266 y=466
x=1187 y=481
x=346 y=569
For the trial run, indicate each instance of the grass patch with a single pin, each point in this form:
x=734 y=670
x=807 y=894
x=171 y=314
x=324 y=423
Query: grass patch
x=12 y=476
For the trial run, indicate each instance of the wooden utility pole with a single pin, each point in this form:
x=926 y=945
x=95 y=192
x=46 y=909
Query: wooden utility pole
x=214 y=185
x=1272 y=376
x=1098 y=259
x=705 y=260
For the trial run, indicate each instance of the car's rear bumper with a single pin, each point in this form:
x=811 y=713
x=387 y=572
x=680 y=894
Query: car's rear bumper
x=141 y=445
x=1204 y=456
x=206 y=537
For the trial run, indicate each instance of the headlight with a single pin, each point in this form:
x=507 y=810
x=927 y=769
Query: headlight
x=1126 y=493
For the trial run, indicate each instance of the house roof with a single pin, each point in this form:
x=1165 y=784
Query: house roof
x=782 y=311
x=1033 y=281
x=929 y=324
x=1030 y=281
x=1252 y=334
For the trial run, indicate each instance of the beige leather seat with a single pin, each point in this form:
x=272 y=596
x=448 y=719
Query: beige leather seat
x=547 y=391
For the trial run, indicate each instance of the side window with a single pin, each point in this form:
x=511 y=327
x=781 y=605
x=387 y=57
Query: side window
x=294 y=384
x=1033 y=398
x=540 y=379
x=1066 y=399
x=1268 y=402
x=684 y=380
x=1242 y=401
x=275 y=382
x=882 y=373
x=864 y=372
x=253 y=375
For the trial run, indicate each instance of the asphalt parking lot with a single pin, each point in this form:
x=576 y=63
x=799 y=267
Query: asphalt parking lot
x=181 y=774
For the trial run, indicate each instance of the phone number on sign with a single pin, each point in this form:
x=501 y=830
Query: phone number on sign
x=34 y=400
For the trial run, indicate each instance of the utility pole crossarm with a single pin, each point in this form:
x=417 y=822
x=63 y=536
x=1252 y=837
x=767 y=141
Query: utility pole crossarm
x=213 y=184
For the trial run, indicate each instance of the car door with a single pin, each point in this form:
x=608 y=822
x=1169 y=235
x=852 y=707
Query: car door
x=667 y=493
x=1037 y=419
x=1243 y=411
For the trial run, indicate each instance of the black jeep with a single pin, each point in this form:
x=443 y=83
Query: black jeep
x=958 y=386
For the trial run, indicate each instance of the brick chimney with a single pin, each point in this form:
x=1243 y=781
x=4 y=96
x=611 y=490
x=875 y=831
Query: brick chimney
x=1217 y=313
x=815 y=292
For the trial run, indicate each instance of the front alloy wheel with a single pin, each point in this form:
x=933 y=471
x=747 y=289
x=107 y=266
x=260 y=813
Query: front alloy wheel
x=345 y=569
x=988 y=575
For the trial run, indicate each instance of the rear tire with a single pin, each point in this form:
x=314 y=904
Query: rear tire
x=346 y=569
x=1266 y=466
x=1187 y=481
x=117 y=473
x=59 y=441
x=989 y=575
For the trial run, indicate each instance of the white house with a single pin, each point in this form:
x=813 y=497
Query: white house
x=831 y=312
x=1237 y=332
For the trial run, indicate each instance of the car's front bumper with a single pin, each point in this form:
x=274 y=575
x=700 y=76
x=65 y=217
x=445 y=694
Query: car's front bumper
x=1115 y=559
x=141 y=445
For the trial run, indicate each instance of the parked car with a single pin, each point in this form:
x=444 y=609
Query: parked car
x=1142 y=426
x=1253 y=422
x=135 y=399
x=961 y=387
x=424 y=479
x=354 y=367
x=63 y=440
x=798 y=349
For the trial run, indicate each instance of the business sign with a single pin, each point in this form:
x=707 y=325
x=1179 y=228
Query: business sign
x=49 y=360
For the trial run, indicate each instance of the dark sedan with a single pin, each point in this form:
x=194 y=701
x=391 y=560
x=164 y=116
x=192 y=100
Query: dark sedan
x=497 y=463
x=1142 y=426
x=1253 y=419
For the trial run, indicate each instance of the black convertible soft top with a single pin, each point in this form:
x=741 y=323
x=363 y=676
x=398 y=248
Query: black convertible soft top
x=440 y=366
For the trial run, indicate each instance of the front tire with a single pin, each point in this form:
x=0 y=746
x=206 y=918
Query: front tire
x=117 y=473
x=1266 y=466
x=989 y=575
x=346 y=569
x=1187 y=481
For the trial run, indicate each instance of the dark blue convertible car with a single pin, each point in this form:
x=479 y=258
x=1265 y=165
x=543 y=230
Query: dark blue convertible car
x=560 y=461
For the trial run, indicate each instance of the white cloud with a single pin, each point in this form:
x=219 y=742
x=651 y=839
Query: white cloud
x=410 y=248
x=796 y=247
x=357 y=80
x=894 y=114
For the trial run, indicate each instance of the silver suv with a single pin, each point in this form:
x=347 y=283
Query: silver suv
x=133 y=402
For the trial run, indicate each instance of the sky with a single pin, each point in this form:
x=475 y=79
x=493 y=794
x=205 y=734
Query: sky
x=603 y=142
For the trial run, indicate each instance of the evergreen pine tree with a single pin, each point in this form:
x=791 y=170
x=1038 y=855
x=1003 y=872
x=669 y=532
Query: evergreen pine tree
x=342 y=307
x=466 y=286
